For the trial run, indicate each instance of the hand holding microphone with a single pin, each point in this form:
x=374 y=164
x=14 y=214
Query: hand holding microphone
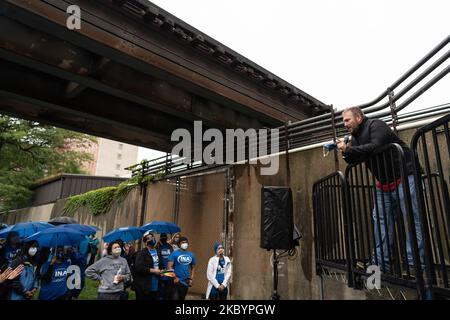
x=340 y=144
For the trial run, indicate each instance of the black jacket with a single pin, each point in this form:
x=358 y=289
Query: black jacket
x=143 y=277
x=370 y=137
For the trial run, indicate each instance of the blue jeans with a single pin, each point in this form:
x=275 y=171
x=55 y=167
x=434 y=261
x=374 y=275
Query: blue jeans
x=382 y=224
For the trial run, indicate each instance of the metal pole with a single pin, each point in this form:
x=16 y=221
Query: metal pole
x=333 y=125
x=286 y=136
x=275 y=295
x=393 y=110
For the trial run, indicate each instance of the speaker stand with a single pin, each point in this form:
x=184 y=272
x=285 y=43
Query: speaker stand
x=275 y=295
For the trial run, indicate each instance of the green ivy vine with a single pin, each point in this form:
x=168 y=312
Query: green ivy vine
x=100 y=201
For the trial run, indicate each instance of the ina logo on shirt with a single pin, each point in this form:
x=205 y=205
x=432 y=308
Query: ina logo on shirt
x=60 y=273
x=184 y=259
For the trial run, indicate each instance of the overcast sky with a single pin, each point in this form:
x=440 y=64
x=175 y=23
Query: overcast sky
x=342 y=52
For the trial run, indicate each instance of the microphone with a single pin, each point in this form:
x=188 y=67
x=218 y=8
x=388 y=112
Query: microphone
x=329 y=146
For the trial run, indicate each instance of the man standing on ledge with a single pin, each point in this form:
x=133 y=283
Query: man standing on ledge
x=368 y=135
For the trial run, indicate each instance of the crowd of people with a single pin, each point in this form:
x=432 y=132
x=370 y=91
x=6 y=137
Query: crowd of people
x=164 y=269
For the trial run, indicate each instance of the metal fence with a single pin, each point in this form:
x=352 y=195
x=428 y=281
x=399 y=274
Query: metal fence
x=396 y=205
x=384 y=218
x=431 y=147
x=331 y=224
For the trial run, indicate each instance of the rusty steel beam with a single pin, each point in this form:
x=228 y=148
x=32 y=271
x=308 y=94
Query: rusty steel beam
x=107 y=77
x=43 y=112
x=124 y=77
x=42 y=15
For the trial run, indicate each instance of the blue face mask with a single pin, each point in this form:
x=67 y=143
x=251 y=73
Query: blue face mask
x=151 y=242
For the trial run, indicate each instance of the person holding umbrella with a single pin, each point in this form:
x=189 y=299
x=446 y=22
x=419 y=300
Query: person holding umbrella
x=148 y=265
x=54 y=271
x=54 y=277
x=112 y=271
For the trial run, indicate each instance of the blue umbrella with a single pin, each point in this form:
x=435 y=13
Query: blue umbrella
x=126 y=234
x=25 y=229
x=161 y=227
x=57 y=236
x=86 y=230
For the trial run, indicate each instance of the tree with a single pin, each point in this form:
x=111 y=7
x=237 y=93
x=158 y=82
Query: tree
x=30 y=151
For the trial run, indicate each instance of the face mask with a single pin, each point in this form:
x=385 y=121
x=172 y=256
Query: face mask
x=151 y=242
x=163 y=240
x=176 y=240
x=116 y=252
x=32 y=251
x=184 y=246
x=60 y=255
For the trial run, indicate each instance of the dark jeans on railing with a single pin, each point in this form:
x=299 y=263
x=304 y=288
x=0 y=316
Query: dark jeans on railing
x=391 y=207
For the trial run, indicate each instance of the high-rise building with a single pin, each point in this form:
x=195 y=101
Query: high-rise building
x=110 y=158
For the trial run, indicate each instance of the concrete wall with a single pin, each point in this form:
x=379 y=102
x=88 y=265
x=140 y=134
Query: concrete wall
x=38 y=213
x=253 y=270
x=160 y=203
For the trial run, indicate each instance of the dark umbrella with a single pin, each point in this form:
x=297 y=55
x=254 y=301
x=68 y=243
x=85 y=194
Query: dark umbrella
x=62 y=220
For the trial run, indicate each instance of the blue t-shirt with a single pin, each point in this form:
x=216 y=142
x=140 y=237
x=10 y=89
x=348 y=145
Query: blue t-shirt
x=155 y=257
x=165 y=250
x=182 y=260
x=58 y=283
x=220 y=273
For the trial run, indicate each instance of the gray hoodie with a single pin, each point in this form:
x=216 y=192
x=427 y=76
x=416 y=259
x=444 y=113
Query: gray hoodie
x=105 y=269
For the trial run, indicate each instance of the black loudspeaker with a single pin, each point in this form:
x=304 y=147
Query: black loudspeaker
x=277 y=220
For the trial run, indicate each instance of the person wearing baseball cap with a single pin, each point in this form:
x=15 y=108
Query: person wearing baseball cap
x=148 y=265
x=183 y=264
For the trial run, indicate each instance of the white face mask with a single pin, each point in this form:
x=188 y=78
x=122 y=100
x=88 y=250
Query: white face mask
x=32 y=251
x=116 y=252
x=184 y=246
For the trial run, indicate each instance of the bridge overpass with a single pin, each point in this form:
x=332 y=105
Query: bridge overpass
x=133 y=73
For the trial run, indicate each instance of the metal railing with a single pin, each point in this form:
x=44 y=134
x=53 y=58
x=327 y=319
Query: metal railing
x=396 y=203
x=168 y=166
x=431 y=148
x=331 y=225
x=378 y=204
x=384 y=218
